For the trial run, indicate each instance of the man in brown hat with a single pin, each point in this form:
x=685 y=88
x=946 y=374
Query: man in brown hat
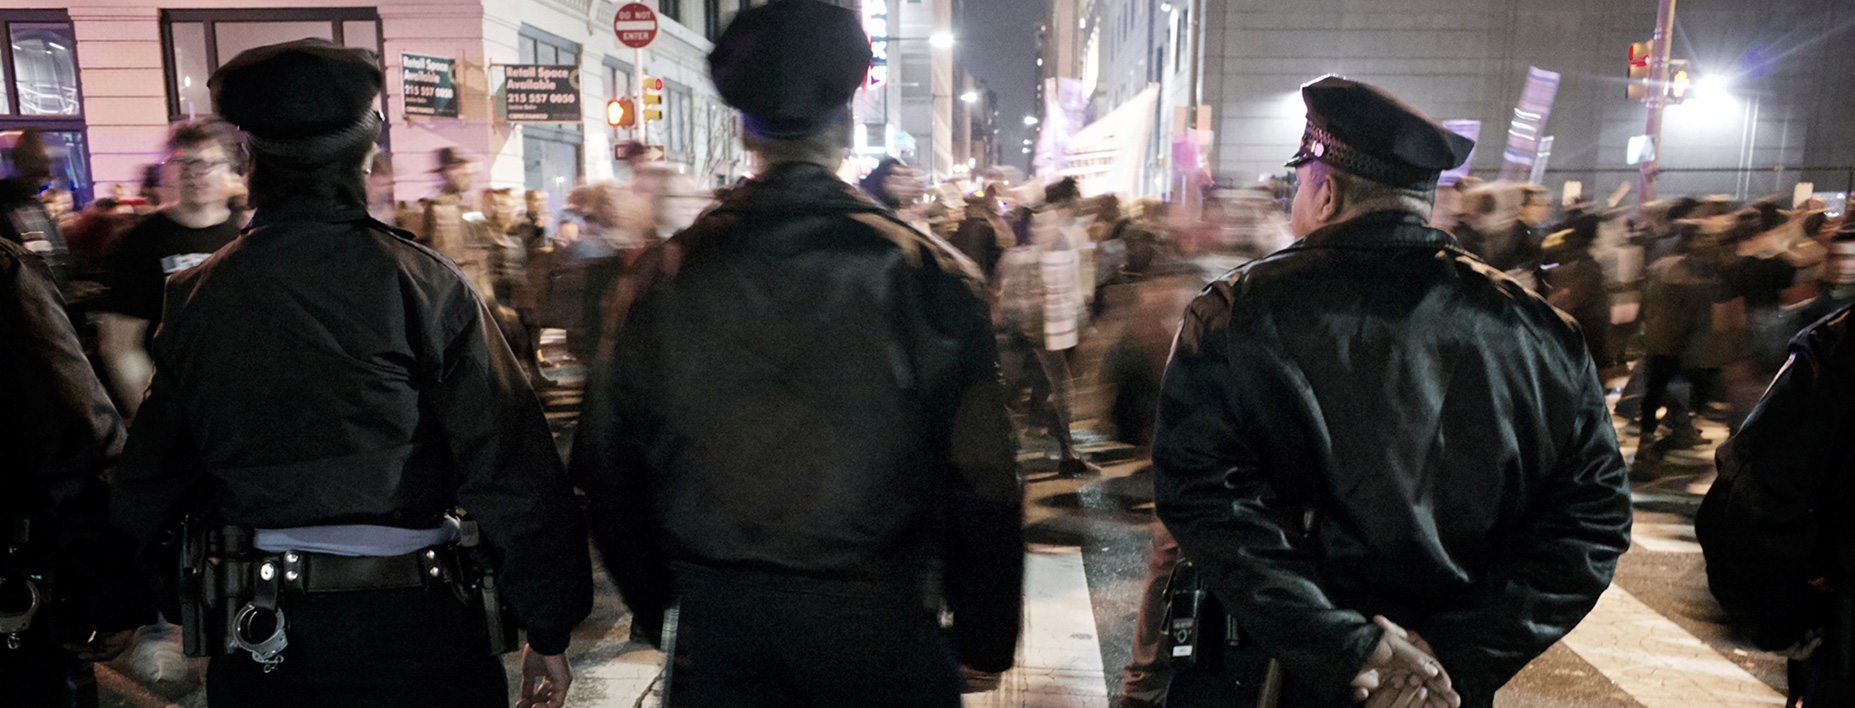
x=1391 y=463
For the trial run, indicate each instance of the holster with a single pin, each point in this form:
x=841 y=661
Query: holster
x=481 y=581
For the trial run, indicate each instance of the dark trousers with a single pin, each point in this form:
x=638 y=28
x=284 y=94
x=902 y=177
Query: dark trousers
x=365 y=649
x=41 y=674
x=1702 y=385
x=751 y=640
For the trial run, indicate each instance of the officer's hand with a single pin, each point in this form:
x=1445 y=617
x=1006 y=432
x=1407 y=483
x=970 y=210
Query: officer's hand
x=1403 y=661
x=104 y=646
x=544 y=680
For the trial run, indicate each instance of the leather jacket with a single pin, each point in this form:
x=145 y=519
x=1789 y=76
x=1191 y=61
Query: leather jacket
x=324 y=369
x=1373 y=421
x=1775 y=522
x=801 y=384
x=60 y=434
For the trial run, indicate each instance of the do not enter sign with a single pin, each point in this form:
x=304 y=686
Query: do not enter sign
x=636 y=25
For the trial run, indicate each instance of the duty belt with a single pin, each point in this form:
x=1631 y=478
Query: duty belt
x=259 y=627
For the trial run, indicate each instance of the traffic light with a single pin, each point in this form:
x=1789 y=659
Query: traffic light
x=1680 y=80
x=619 y=113
x=1639 y=70
x=653 y=97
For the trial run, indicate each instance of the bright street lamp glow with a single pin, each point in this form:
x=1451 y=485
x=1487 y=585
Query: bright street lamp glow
x=942 y=40
x=1708 y=87
x=1030 y=120
x=970 y=96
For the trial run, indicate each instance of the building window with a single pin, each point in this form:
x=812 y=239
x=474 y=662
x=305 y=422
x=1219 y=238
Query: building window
x=44 y=69
x=672 y=9
x=553 y=160
x=711 y=19
x=39 y=89
x=679 y=119
x=197 y=42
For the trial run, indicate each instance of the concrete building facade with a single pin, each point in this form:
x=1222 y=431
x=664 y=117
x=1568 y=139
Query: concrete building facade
x=1771 y=107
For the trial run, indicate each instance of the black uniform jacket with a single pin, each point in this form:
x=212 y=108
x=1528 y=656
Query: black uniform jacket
x=1777 y=518
x=324 y=369
x=58 y=435
x=1441 y=427
x=802 y=384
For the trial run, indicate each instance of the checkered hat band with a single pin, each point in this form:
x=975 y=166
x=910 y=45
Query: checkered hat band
x=1321 y=145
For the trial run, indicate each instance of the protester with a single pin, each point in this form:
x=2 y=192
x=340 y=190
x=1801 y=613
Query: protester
x=202 y=163
x=799 y=424
x=330 y=394
x=1681 y=336
x=1575 y=284
x=1370 y=562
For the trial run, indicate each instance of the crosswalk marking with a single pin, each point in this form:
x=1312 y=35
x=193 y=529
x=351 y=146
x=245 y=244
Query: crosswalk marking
x=1658 y=663
x=1059 y=656
x=1665 y=538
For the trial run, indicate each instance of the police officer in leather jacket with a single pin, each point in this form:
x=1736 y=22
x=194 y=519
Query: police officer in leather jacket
x=1774 y=527
x=1393 y=463
x=338 y=391
x=801 y=417
x=68 y=593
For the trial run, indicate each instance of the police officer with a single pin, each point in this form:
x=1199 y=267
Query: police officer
x=801 y=415
x=1372 y=440
x=1780 y=551
x=67 y=594
x=327 y=395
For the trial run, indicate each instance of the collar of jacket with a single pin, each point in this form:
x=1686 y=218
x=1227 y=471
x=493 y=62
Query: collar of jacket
x=1382 y=229
x=799 y=187
x=317 y=211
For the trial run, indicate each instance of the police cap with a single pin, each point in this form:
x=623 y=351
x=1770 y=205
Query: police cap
x=791 y=66
x=1361 y=129
x=307 y=90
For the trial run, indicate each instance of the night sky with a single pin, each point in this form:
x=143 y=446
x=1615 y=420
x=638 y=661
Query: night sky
x=999 y=46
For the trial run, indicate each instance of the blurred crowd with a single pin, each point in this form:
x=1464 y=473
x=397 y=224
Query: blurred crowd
x=1689 y=303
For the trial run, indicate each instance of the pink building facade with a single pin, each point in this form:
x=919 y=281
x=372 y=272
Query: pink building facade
x=107 y=77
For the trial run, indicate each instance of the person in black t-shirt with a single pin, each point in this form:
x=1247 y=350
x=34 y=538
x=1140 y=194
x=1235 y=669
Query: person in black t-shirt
x=201 y=169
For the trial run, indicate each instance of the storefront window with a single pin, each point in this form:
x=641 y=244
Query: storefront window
x=197 y=42
x=39 y=90
x=236 y=37
x=191 y=69
x=44 y=69
x=552 y=160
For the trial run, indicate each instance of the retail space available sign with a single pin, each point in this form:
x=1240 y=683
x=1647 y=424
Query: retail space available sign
x=542 y=93
x=636 y=25
x=429 y=84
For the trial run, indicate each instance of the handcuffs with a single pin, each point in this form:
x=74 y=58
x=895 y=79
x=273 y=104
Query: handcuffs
x=14 y=621
x=267 y=651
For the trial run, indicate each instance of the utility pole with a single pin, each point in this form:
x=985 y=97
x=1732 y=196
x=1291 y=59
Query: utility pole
x=1658 y=97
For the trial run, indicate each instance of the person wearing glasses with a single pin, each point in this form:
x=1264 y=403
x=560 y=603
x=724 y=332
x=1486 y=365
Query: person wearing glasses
x=200 y=173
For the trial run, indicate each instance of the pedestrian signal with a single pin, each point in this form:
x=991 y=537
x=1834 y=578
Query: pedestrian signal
x=1680 y=80
x=620 y=114
x=653 y=97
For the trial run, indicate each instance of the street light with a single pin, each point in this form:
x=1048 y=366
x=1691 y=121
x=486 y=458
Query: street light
x=970 y=96
x=941 y=40
x=1030 y=120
